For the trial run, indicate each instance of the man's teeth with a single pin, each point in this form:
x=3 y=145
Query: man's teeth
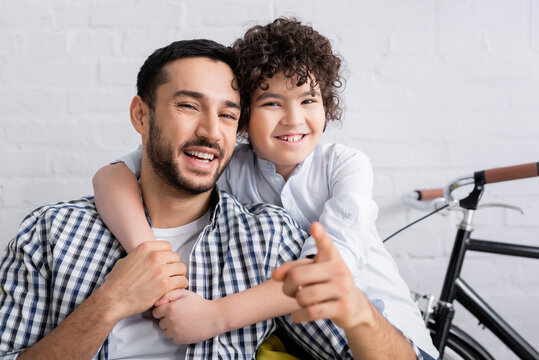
x=205 y=156
x=293 y=138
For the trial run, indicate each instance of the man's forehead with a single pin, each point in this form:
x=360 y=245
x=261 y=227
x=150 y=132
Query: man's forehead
x=202 y=75
x=186 y=66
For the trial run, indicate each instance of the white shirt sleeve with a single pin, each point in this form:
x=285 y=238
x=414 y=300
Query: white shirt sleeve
x=349 y=216
x=350 y=212
x=133 y=161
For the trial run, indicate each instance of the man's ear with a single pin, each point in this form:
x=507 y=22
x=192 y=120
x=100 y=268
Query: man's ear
x=140 y=115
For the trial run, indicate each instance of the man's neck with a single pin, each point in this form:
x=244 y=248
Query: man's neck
x=168 y=206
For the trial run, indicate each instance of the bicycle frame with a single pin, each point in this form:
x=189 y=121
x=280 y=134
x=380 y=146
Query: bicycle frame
x=455 y=288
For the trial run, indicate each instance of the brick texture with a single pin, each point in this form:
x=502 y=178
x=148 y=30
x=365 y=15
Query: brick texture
x=435 y=89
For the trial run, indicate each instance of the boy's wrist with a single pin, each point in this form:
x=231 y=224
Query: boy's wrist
x=223 y=315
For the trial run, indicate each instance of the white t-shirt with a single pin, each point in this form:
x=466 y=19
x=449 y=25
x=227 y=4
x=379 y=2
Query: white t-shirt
x=139 y=336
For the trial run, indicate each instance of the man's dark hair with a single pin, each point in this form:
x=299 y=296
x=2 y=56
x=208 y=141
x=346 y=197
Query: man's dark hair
x=298 y=51
x=152 y=73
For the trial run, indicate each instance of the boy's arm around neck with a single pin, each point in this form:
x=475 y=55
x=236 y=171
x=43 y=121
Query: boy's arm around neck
x=118 y=201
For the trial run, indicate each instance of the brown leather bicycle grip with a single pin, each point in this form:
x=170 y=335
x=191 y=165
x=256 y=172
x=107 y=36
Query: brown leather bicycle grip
x=430 y=194
x=511 y=173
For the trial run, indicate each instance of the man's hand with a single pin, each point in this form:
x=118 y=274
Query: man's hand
x=324 y=287
x=137 y=281
x=133 y=286
x=187 y=318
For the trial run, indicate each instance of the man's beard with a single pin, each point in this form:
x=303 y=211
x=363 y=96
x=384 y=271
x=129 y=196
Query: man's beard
x=161 y=156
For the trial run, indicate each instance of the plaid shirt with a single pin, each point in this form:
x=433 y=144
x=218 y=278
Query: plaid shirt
x=63 y=252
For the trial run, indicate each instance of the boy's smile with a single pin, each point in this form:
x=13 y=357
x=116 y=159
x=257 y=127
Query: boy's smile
x=286 y=122
x=291 y=138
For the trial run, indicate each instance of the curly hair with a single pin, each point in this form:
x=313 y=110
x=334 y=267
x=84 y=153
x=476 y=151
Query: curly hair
x=296 y=50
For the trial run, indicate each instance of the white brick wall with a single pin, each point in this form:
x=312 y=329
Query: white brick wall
x=436 y=89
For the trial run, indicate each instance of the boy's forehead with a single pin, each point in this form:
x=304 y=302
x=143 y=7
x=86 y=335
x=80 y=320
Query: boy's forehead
x=289 y=82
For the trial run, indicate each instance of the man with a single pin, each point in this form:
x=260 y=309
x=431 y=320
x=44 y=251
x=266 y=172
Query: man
x=63 y=286
x=65 y=291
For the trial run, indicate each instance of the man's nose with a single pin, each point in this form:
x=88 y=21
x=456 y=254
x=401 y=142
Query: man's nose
x=208 y=127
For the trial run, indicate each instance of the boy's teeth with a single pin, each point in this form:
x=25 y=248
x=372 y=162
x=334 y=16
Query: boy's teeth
x=201 y=155
x=293 y=138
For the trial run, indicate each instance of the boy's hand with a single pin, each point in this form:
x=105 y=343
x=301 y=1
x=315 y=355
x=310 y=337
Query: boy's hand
x=324 y=288
x=187 y=318
x=171 y=296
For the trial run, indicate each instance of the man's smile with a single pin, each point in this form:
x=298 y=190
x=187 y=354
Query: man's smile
x=200 y=156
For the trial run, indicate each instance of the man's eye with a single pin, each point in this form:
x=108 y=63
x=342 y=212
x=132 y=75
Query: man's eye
x=186 y=106
x=229 y=116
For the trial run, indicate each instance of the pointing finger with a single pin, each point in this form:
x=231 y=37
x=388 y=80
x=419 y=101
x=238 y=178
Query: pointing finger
x=326 y=249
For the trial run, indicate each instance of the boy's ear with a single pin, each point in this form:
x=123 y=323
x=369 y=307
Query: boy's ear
x=140 y=115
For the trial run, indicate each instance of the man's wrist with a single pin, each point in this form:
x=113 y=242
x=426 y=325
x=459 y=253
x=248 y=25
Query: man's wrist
x=106 y=305
x=374 y=327
x=363 y=318
x=366 y=321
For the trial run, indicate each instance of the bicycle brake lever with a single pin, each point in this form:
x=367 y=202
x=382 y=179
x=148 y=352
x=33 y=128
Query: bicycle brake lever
x=501 y=205
x=428 y=308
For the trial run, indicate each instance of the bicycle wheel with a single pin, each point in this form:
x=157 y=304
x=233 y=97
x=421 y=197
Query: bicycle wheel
x=461 y=346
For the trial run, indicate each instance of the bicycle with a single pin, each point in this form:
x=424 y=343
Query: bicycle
x=438 y=314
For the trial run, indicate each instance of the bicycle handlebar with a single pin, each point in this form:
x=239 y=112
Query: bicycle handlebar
x=429 y=194
x=426 y=198
x=511 y=173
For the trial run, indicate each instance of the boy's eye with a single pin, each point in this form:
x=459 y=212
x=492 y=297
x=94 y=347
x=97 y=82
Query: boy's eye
x=308 y=101
x=270 y=104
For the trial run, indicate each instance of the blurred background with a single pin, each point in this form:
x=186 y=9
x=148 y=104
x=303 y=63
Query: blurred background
x=435 y=89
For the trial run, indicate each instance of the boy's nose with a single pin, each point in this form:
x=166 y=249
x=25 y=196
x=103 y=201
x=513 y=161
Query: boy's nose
x=293 y=116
